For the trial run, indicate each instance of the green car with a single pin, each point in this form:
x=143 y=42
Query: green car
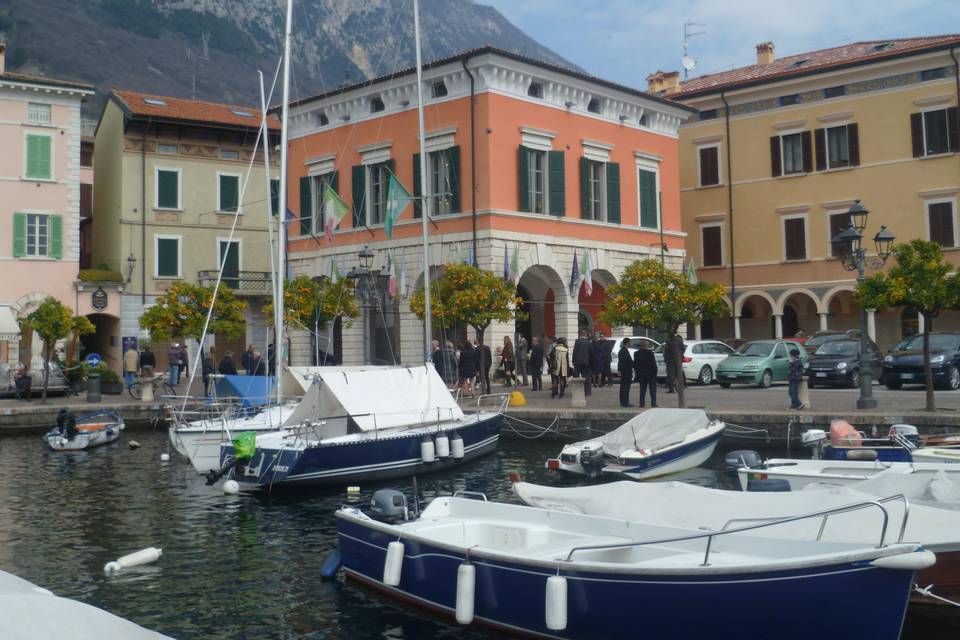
x=761 y=362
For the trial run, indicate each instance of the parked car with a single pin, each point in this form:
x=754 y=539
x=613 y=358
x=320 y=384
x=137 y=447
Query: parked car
x=700 y=360
x=905 y=366
x=760 y=362
x=614 y=345
x=822 y=337
x=838 y=362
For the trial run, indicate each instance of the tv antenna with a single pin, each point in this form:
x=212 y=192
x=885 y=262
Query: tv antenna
x=203 y=56
x=689 y=30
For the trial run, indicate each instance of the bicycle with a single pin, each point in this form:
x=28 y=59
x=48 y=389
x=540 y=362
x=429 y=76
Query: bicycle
x=160 y=387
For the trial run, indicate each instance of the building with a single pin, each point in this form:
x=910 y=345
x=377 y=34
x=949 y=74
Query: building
x=524 y=159
x=39 y=202
x=779 y=152
x=169 y=176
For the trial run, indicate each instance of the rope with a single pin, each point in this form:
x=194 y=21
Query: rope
x=925 y=591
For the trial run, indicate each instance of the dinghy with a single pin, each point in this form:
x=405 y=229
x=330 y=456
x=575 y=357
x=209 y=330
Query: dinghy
x=799 y=473
x=90 y=430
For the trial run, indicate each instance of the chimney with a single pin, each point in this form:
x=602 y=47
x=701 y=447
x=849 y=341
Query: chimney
x=655 y=82
x=3 y=52
x=764 y=53
x=663 y=82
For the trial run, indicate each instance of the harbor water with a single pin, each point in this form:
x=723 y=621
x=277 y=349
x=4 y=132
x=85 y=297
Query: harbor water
x=244 y=567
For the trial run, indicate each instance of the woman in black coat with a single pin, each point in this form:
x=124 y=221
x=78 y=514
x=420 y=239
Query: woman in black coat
x=468 y=368
x=645 y=366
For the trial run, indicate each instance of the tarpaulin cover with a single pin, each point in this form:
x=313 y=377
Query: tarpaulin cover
x=653 y=429
x=251 y=390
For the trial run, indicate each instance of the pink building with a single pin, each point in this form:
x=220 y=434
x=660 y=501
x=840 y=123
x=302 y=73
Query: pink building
x=40 y=177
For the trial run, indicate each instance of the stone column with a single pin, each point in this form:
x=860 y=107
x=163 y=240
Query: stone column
x=300 y=348
x=411 y=335
x=872 y=324
x=567 y=311
x=353 y=341
x=697 y=332
x=778 y=325
x=736 y=327
x=921 y=324
x=823 y=321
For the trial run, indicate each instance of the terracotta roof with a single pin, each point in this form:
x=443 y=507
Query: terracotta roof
x=802 y=64
x=50 y=82
x=146 y=105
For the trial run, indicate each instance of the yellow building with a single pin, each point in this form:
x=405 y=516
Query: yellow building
x=169 y=175
x=779 y=152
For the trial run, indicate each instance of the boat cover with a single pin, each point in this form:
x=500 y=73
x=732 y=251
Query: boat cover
x=251 y=390
x=377 y=397
x=653 y=429
x=296 y=380
x=940 y=490
x=677 y=504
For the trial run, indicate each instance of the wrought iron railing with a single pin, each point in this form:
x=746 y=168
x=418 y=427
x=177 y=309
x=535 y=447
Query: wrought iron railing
x=251 y=282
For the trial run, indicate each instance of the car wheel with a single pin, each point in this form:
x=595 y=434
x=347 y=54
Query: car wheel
x=953 y=378
x=766 y=379
x=724 y=385
x=893 y=385
x=706 y=375
x=854 y=379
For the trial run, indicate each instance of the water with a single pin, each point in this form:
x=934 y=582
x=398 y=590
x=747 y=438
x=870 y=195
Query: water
x=235 y=566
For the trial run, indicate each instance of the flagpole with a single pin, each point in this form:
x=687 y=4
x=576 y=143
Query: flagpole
x=282 y=236
x=663 y=259
x=425 y=210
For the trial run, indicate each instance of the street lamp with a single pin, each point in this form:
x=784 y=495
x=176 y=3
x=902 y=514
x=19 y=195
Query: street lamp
x=362 y=277
x=849 y=250
x=131 y=265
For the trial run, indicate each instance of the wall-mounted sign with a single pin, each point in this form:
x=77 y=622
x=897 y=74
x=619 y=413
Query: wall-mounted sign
x=93 y=359
x=129 y=342
x=98 y=299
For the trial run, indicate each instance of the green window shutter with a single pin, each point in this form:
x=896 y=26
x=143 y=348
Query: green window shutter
x=306 y=207
x=19 y=235
x=274 y=197
x=168 y=250
x=229 y=193
x=648 y=199
x=31 y=168
x=38 y=157
x=613 y=192
x=417 y=192
x=56 y=237
x=558 y=193
x=168 y=189
x=524 y=180
x=45 y=161
x=585 y=189
x=359 y=195
x=454 y=179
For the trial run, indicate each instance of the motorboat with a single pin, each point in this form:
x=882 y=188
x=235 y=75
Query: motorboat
x=797 y=474
x=677 y=504
x=901 y=444
x=653 y=443
x=366 y=424
x=523 y=570
x=87 y=431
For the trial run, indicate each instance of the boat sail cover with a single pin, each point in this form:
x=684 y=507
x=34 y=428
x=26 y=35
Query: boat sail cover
x=653 y=429
x=940 y=490
x=378 y=397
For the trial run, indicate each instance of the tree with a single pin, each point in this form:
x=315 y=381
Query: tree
x=920 y=280
x=182 y=311
x=53 y=321
x=650 y=295
x=472 y=296
x=305 y=299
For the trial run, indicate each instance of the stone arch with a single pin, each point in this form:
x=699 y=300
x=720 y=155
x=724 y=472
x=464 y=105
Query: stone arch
x=828 y=296
x=24 y=305
x=746 y=295
x=799 y=310
x=542 y=287
x=755 y=322
x=786 y=295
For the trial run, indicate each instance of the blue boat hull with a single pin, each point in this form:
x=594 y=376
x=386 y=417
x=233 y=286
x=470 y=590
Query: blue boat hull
x=799 y=604
x=684 y=457
x=884 y=453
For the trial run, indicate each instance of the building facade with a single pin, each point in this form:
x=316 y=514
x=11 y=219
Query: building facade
x=40 y=136
x=779 y=152
x=171 y=179
x=530 y=167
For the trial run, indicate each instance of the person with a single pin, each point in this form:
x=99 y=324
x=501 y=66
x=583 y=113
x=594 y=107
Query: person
x=672 y=352
x=22 y=383
x=536 y=365
x=645 y=370
x=131 y=365
x=271 y=359
x=436 y=357
x=581 y=361
x=468 y=368
x=259 y=364
x=794 y=377
x=148 y=362
x=560 y=368
x=450 y=365
x=484 y=359
x=173 y=358
x=523 y=360
x=247 y=360
x=227 y=367
x=184 y=361
x=207 y=370
x=596 y=361
x=625 y=369
x=508 y=360
x=606 y=361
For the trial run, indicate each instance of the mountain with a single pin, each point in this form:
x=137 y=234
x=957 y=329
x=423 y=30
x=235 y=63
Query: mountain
x=165 y=46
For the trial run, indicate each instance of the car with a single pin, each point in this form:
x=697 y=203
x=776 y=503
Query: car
x=614 y=345
x=700 y=360
x=839 y=362
x=760 y=362
x=813 y=343
x=905 y=366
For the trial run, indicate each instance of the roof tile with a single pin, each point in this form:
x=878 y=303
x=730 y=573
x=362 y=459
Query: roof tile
x=170 y=108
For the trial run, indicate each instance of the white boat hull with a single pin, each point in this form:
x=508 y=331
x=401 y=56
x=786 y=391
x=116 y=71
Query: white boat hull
x=800 y=473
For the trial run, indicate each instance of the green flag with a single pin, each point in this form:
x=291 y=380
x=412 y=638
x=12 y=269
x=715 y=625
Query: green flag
x=397 y=200
x=692 y=272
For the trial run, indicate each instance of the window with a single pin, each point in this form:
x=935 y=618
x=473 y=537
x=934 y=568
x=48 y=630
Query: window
x=709 y=165
x=711 y=245
x=167 y=259
x=792 y=146
x=86 y=154
x=537 y=180
x=441 y=183
x=835 y=92
x=535 y=90
x=241 y=113
x=274 y=196
x=39 y=161
x=708 y=114
x=378 y=176
x=228 y=192
x=839 y=222
x=596 y=178
x=933 y=74
x=318 y=186
x=376 y=104
x=438 y=89
x=838 y=151
x=38 y=234
x=322 y=119
x=593 y=106
x=229 y=154
x=649 y=197
x=883 y=46
x=168 y=189
x=643 y=120
x=785 y=101
x=940 y=223
x=935 y=131
x=167 y=148
x=795 y=238
x=541 y=177
x=86 y=200
x=780 y=351
x=38 y=113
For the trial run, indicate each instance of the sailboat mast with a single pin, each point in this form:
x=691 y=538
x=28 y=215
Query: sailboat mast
x=282 y=236
x=265 y=136
x=427 y=317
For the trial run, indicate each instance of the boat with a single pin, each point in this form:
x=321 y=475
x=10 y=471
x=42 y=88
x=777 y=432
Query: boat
x=678 y=504
x=523 y=570
x=367 y=424
x=85 y=432
x=653 y=443
x=936 y=454
x=901 y=444
x=796 y=474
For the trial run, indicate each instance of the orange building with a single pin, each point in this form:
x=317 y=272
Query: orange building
x=524 y=159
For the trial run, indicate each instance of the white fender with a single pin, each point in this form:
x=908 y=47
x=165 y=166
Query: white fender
x=920 y=559
x=556 y=604
x=144 y=556
x=456 y=446
x=466 y=592
x=427 y=450
x=443 y=445
x=393 y=564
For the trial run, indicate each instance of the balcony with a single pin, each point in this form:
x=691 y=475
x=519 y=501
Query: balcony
x=250 y=283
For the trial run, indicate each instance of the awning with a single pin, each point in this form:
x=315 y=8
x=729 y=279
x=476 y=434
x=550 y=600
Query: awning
x=9 y=327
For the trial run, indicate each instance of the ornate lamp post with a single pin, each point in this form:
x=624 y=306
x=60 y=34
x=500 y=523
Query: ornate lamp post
x=362 y=277
x=849 y=250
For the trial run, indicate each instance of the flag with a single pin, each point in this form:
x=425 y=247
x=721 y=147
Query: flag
x=333 y=271
x=574 y=276
x=397 y=200
x=587 y=278
x=470 y=256
x=334 y=209
x=506 y=261
x=515 y=263
x=403 y=275
x=692 y=272
x=392 y=270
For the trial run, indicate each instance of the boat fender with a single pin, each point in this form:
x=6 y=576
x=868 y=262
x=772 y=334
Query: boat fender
x=133 y=444
x=143 y=556
x=919 y=559
x=456 y=446
x=862 y=454
x=443 y=445
x=393 y=564
x=164 y=457
x=466 y=592
x=328 y=571
x=556 y=603
x=428 y=452
x=231 y=487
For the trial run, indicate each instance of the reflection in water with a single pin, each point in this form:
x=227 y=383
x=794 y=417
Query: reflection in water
x=232 y=566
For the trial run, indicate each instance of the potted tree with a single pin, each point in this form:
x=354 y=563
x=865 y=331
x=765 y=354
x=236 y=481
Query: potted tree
x=110 y=382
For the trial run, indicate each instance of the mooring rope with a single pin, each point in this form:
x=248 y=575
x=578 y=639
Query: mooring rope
x=925 y=591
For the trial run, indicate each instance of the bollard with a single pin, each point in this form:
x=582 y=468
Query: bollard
x=93 y=387
x=146 y=390
x=577 y=397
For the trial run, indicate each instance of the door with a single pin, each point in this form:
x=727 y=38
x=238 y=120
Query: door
x=231 y=267
x=781 y=363
x=716 y=352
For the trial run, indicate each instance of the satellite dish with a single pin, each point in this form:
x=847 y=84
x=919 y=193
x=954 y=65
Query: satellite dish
x=689 y=63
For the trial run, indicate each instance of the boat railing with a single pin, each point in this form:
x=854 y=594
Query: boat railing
x=475 y=494
x=502 y=398
x=710 y=535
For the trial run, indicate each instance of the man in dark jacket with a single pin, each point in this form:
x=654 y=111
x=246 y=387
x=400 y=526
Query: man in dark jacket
x=148 y=360
x=436 y=357
x=581 y=361
x=536 y=365
x=625 y=369
x=672 y=352
x=247 y=360
x=645 y=368
x=596 y=361
x=606 y=356
x=483 y=361
x=227 y=367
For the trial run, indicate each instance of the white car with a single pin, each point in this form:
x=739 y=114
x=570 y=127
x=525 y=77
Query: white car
x=700 y=360
x=614 y=344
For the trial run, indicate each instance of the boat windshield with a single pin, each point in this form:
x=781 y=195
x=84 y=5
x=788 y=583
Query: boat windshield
x=939 y=342
x=838 y=348
x=762 y=349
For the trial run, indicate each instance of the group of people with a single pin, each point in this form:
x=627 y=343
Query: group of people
x=641 y=367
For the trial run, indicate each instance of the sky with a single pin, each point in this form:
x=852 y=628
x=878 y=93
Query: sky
x=625 y=40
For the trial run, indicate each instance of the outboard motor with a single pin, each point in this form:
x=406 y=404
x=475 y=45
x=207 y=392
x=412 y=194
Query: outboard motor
x=389 y=505
x=906 y=432
x=814 y=439
x=742 y=458
x=592 y=457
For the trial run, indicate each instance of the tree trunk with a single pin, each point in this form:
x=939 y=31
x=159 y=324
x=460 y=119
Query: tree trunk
x=927 y=371
x=46 y=371
x=72 y=348
x=484 y=366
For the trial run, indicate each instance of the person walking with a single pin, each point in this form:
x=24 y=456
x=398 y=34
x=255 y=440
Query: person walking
x=596 y=361
x=436 y=357
x=484 y=361
x=560 y=368
x=148 y=362
x=173 y=359
x=523 y=359
x=468 y=369
x=206 y=370
x=450 y=365
x=672 y=352
x=794 y=377
x=645 y=369
x=581 y=361
x=606 y=359
x=508 y=361
x=227 y=367
x=247 y=360
x=625 y=369
x=131 y=366
x=536 y=365
x=184 y=361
